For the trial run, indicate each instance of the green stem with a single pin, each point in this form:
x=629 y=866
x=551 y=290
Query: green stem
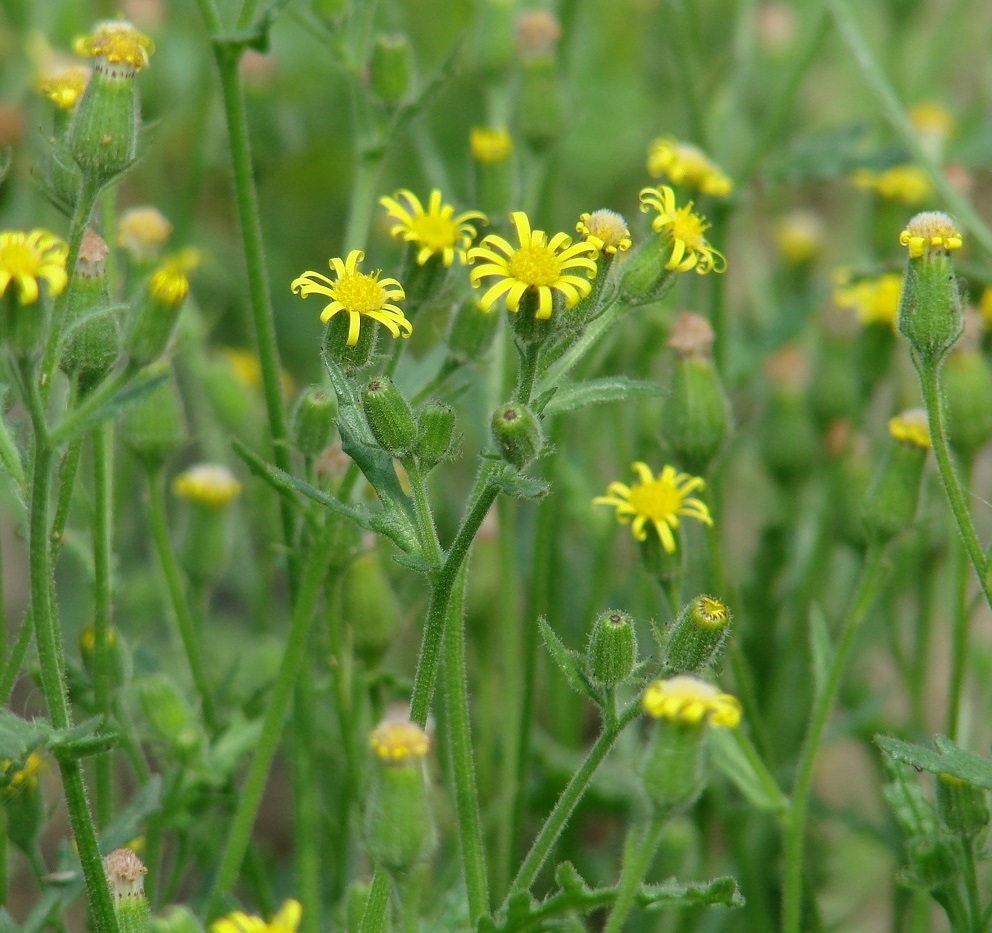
x=10 y=457
x=567 y=802
x=795 y=833
x=272 y=723
x=306 y=808
x=460 y=749
x=75 y=420
x=67 y=480
x=177 y=597
x=960 y=636
x=363 y=188
x=971 y=885
x=561 y=367
x=928 y=371
x=635 y=866
x=374 y=915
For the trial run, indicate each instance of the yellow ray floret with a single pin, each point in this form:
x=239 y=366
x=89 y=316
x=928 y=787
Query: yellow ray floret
x=684 y=163
x=930 y=232
x=436 y=231
x=27 y=257
x=690 y=248
x=690 y=701
x=286 y=921
x=358 y=294
x=116 y=42
x=656 y=500
x=606 y=230
x=536 y=263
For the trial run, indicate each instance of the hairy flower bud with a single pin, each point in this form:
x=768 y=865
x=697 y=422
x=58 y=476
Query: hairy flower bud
x=313 y=420
x=612 y=651
x=891 y=501
x=698 y=635
x=390 y=69
x=389 y=416
x=962 y=807
x=517 y=434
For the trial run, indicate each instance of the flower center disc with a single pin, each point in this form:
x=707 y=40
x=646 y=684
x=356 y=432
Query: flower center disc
x=534 y=265
x=656 y=500
x=358 y=292
x=436 y=233
x=689 y=228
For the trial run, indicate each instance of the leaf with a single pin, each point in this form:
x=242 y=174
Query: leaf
x=734 y=765
x=566 y=660
x=601 y=391
x=20 y=737
x=415 y=562
x=395 y=525
x=541 y=402
x=720 y=892
x=522 y=486
x=945 y=758
x=376 y=465
x=821 y=650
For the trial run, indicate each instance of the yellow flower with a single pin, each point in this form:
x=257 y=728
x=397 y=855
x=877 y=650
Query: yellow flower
x=245 y=368
x=286 y=921
x=689 y=701
x=142 y=231
x=356 y=293
x=537 y=263
x=606 y=230
x=930 y=232
x=25 y=778
x=690 y=249
x=209 y=484
x=397 y=741
x=63 y=87
x=931 y=119
x=799 y=236
x=436 y=231
x=116 y=42
x=906 y=183
x=911 y=427
x=659 y=500
x=875 y=300
x=490 y=145
x=684 y=163
x=27 y=257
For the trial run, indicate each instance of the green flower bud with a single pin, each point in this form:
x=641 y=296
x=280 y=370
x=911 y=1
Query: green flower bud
x=696 y=418
x=21 y=800
x=368 y=607
x=119 y=664
x=492 y=43
x=494 y=180
x=126 y=880
x=336 y=341
x=169 y=716
x=612 y=651
x=435 y=434
x=399 y=823
x=210 y=489
x=932 y=862
x=177 y=919
x=530 y=331
x=517 y=434
x=313 y=420
x=540 y=112
x=662 y=564
x=471 y=332
x=389 y=416
x=155 y=426
x=153 y=322
x=891 y=501
x=644 y=275
x=391 y=67
x=697 y=638
x=967 y=384
x=962 y=807
x=789 y=443
x=931 y=313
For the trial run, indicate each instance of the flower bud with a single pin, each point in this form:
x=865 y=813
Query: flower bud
x=789 y=443
x=932 y=861
x=492 y=46
x=697 y=638
x=176 y=919
x=126 y=879
x=336 y=344
x=389 y=416
x=695 y=419
x=399 y=823
x=169 y=716
x=493 y=178
x=368 y=607
x=540 y=111
x=390 y=69
x=962 y=807
x=644 y=274
x=119 y=664
x=143 y=231
x=967 y=384
x=517 y=434
x=154 y=320
x=313 y=420
x=435 y=434
x=93 y=337
x=155 y=426
x=209 y=488
x=931 y=313
x=21 y=800
x=891 y=500
x=471 y=332
x=612 y=651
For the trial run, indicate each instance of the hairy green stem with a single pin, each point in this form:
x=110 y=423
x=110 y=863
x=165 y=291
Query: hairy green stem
x=306 y=806
x=960 y=636
x=635 y=866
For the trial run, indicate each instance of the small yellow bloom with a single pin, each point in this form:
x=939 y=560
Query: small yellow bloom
x=357 y=294
x=684 y=163
x=116 y=42
x=142 y=231
x=209 y=484
x=930 y=232
x=64 y=86
x=169 y=282
x=27 y=257
x=875 y=300
x=690 y=249
x=606 y=230
x=911 y=427
x=490 y=145
x=245 y=368
x=799 y=236
x=537 y=263
x=659 y=500
x=931 y=119
x=908 y=183
x=286 y=921
x=398 y=741
x=22 y=779
x=436 y=231
x=691 y=701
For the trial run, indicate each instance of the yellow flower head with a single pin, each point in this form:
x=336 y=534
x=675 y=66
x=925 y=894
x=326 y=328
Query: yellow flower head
x=490 y=145
x=116 y=43
x=63 y=87
x=690 y=701
x=799 y=236
x=930 y=232
x=436 y=231
x=27 y=257
x=911 y=427
x=357 y=294
x=169 y=283
x=245 y=368
x=16 y=780
x=209 y=484
x=684 y=163
x=398 y=741
x=875 y=300
x=606 y=230
x=908 y=183
x=537 y=263
x=931 y=119
x=659 y=500
x=286 y=921
x=690 y=249
x=142 y=231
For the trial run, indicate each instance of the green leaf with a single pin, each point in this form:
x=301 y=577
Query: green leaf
x=601 y=391
x=20 y=737
x=945 y=758
x=730 y=759
x=821 y=649
x=376 y=465
x=720 y=892
x=415 y=562
x=521 y=486
x=542 y=401
x=571 y=665
x=396 y=526
x=117 y=404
